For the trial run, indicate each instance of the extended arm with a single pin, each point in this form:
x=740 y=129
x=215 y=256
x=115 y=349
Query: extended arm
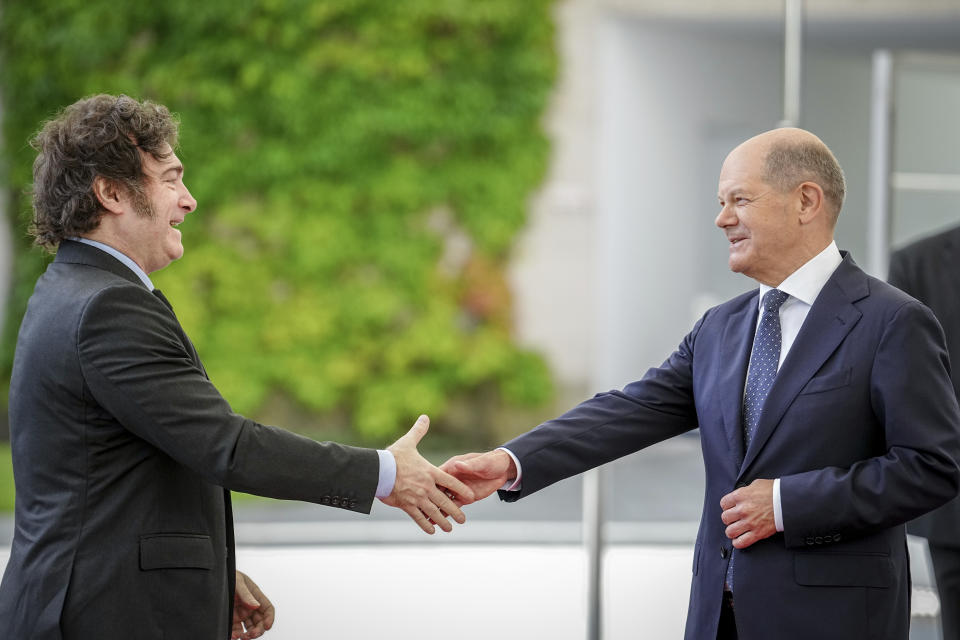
x=606 y=427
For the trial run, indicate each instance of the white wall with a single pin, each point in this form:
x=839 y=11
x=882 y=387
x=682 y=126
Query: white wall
x=673 y=103
x=627 y=257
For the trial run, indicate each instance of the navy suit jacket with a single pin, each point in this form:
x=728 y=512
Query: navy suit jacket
x=861 y=426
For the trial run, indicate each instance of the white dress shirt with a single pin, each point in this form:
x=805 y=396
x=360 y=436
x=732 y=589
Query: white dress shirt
x=388 y=464
x=803 y=286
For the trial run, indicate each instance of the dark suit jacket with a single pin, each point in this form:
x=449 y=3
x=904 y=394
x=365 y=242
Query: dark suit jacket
x=123 y=453
x=861 y=426
x=929 y=270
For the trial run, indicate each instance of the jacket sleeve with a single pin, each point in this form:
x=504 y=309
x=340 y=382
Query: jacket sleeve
x=912 y=397
x=136 y=366
x=610 y=425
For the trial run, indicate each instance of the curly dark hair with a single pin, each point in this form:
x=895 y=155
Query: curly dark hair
x=96 y=136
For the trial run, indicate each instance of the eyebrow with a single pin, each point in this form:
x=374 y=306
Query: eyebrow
x=177 y=170
x=734 y=193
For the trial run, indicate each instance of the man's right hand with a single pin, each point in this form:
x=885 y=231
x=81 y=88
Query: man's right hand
x=484 y=473
x=424 y=492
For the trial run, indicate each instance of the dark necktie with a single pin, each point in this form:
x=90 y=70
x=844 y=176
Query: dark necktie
x=764 y=361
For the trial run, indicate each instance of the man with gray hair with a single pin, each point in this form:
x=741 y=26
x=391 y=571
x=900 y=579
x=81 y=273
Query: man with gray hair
x=826 y=414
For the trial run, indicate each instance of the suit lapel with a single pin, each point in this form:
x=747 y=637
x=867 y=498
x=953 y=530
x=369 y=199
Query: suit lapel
x=736 y=345
x=830 y=319
x=80 y=253
x=187 y=344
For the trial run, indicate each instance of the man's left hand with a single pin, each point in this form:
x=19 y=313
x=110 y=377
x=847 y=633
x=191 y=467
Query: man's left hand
x=253 y=612
x=748 y=513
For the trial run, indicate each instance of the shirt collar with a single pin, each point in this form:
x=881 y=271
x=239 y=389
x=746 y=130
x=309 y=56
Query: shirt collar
x=130 y=264
x=805 y=283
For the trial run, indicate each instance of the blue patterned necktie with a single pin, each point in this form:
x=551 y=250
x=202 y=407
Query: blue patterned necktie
x=764 y=361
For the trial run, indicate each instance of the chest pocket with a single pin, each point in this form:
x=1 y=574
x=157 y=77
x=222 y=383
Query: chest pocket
x=829 y=381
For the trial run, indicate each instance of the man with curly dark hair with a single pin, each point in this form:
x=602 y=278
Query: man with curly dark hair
x=124 y=453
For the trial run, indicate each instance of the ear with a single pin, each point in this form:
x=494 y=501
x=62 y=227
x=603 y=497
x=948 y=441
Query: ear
x=812 y=202
x=109 y=193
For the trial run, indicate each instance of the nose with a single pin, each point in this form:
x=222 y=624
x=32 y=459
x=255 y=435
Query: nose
x=187 y=203
x=726 y=217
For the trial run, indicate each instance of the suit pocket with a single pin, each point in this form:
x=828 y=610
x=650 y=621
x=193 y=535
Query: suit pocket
x=843 y=570
x=176 y=551
x=828 y=381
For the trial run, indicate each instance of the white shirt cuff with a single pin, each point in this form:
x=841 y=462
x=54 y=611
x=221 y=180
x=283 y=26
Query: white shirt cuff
x=777 y=507
x=515 y=485
x=388 y=473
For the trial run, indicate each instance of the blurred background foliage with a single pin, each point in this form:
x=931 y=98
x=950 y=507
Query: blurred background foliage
x=362 y=169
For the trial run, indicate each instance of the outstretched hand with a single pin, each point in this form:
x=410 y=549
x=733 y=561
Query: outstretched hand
x=253 y=613
x=424 y=492
x=484 y=473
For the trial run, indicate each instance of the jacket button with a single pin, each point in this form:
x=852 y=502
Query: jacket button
x=836 y=537
x=810 y=541
x=724 y=553
x=325 y=500
x=353 y=504
x=336 y=501
x=818 y=540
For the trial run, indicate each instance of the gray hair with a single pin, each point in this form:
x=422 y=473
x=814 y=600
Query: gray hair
x=790 y=163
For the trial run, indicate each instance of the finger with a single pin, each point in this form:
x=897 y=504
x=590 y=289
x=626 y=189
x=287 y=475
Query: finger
x=268 y=617
x=730 y=515
x=420 y=519
x=243 y=593
x=419 y=429
x=442 y=522
x=436 y=516
x=473 y=467
x=447 y=506
x=745 y=540
x=451 y=463
x=728 y=501
x=269 y=612
x=446 y=480
x=736 y=530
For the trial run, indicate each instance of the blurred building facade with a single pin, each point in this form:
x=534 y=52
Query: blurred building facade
x=621 y=255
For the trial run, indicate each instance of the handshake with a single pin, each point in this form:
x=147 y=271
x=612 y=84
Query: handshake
x=430 y=495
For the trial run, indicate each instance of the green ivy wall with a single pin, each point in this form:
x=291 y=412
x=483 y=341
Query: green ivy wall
x=362 y=169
